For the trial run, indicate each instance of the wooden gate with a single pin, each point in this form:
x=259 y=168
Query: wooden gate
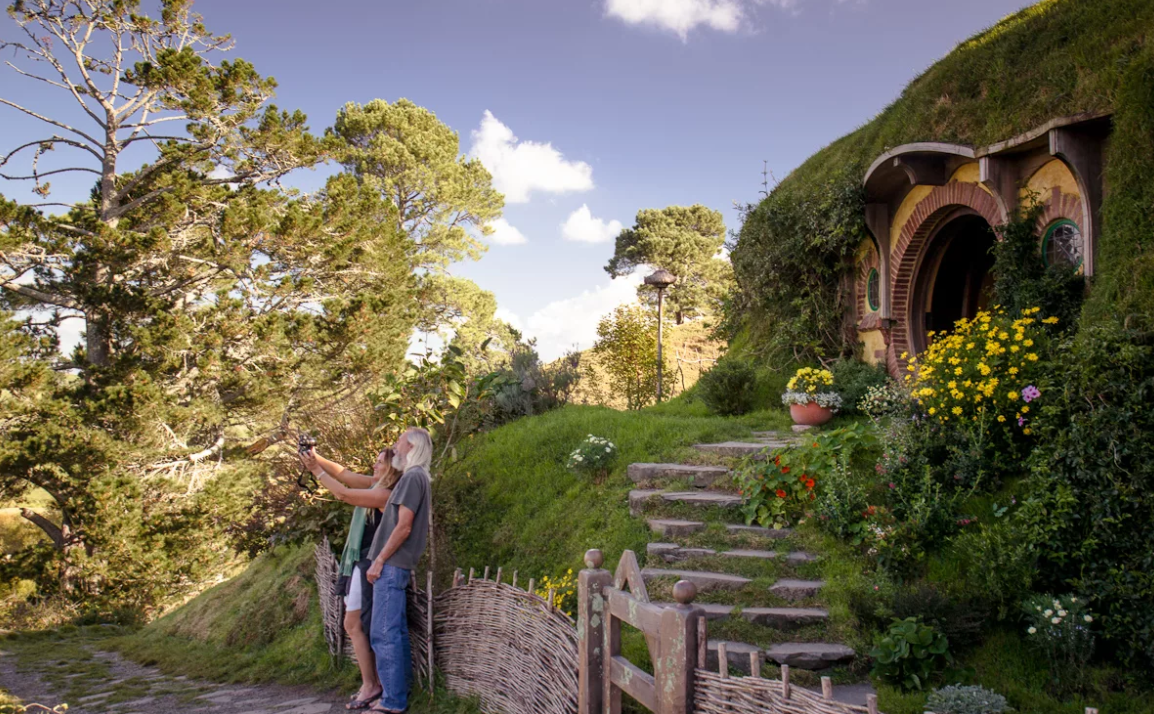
x=671 y=632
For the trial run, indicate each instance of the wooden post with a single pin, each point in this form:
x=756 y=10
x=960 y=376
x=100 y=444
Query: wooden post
x=498 y=575
x=786 y=689
x=673 y=665
x=471 y=571
x=826 y=688
x=755 y=664
x=591 y=612
x=486 y=575
x=723 y=660
x=872 y=703
x=702 y=643
x=456 y=577
x=429 y=625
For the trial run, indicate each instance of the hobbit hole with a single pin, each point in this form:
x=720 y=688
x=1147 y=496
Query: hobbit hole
x=931 y=211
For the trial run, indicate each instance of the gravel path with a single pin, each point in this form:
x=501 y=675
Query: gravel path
x=109 y=683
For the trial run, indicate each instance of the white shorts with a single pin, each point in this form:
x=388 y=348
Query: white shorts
x=353 y=599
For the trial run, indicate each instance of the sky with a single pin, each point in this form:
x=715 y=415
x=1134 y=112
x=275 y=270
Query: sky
x=584 y=111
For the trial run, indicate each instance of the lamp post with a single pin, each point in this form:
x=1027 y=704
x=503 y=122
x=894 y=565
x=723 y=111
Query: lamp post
x=660 y=279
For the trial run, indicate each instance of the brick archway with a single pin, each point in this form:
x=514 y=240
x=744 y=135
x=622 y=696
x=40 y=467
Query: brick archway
x=931 y=213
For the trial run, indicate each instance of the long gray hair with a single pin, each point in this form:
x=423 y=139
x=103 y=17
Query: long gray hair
x=422 y=452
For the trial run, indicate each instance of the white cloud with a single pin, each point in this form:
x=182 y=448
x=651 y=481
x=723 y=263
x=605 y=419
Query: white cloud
x=509 y=318
x=572 y=322
x=682 y=16
x=521 y=167
x=581 y=226
x=505 y=234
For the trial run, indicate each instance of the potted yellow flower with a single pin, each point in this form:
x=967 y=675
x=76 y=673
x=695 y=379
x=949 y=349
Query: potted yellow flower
x=810 y=396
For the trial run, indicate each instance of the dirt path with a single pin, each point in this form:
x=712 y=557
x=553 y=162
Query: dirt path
x=91 y=681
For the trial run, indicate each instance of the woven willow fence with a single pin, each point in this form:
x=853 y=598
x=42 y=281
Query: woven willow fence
x=507 y=646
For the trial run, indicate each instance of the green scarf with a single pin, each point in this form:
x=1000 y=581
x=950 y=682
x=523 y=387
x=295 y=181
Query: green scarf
x=353 y=544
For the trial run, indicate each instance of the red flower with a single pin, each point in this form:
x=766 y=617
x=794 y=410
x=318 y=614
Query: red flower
x=785 y=469
x=780 y=493
x=777 y=460
x=809 y=483
x=815 y=444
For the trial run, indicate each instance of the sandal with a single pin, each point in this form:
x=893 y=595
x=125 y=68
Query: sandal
x=359 y=704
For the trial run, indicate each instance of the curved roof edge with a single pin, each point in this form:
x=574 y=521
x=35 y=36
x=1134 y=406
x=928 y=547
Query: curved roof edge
x=919 y=147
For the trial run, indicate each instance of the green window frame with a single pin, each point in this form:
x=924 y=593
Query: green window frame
x=873 y=283
x=1051 y=230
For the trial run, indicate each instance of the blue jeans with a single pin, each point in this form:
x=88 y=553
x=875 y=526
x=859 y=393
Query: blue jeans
x=390 y=637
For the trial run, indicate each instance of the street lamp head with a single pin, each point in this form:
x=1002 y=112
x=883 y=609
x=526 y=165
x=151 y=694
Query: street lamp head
x=661 y=279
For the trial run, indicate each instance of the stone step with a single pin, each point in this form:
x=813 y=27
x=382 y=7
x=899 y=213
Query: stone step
x=737 y=529
x=673 y=527
x=789 y=589
x=759 y=450
x=736 y=653
x=785 y=618
x=674 y=552
x=698 y=476
x=639 y=497
x=810 y=655
x=703 y=580
x=779 y=618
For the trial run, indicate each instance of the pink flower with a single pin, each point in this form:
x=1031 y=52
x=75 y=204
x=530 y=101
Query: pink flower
x=1030 y=393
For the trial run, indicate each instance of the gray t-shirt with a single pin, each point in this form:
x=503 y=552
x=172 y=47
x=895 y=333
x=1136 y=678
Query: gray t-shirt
x=411 y=491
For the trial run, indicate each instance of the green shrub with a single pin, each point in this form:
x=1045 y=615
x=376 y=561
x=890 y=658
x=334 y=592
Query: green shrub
x=958 y=699
x=1092 y=499
x=910 y=653
x=959 y=619
x=853 y=379
x=1060 y=628
x=996 y=564
x=593 y=456
x=728 y=389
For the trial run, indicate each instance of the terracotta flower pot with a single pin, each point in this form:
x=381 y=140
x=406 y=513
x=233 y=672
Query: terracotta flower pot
x=810 y=414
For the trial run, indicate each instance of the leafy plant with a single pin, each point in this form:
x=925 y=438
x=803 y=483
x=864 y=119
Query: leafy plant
x=728 y=388
x=564 y=591
x=594 y=456
x=1060 y=628
x=626 y=349
x=968 y=699
x=910 y=653
x=853 y=379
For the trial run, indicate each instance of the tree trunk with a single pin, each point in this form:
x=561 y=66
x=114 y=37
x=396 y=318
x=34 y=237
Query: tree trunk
x=54 y=533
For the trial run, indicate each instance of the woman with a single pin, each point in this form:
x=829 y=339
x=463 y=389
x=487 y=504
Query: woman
x=369 y=494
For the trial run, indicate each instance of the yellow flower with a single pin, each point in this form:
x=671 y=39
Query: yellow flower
x=1014 y=348
x=1012 y=396
x=1026 y=430
x=983 y=368
x=1050 y=320
x=933 y=410
x=957 y=411
x=1013 y=371
x=1032 y=357
x=1028 y=343
x=952 y=384
x=1001 y=417
x=958 y=371
x=1025 y=410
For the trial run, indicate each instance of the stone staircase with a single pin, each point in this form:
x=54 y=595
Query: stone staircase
x=760 y=591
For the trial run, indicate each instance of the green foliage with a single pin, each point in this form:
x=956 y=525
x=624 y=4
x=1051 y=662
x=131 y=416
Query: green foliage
x=910 y=653
x=853 y=379
x=1092 y=479
x=728 y=388
x=1060 y=628
x=593 y=456
x=994 y=563
x=1022 y=280
x=780 y=490
x=684 y=241
x=626 y=350
x=961 y=620
x=971 y=699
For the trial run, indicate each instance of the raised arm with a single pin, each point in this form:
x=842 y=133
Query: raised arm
x=352 y=479
x=367 y=497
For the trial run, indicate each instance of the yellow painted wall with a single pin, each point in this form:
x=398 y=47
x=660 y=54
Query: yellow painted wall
x=911 y=201
x=1052 y=174
x=872 y=341
x=966 y=173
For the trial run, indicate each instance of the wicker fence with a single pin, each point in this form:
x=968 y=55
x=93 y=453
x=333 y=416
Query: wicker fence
x=507 y=646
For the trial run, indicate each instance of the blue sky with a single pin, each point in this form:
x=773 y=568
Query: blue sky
x=615 y=106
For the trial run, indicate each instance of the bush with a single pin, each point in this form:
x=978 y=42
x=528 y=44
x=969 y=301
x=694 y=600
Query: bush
x=728 y=389
x=1092 y=499
x=960 y=620
x=996 y=564
x=853 y=379
x=957 y=699
x=1059 y=627
x=593 y=456
x=910 y=653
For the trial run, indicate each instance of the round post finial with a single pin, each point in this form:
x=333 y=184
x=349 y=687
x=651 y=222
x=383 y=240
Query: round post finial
x=684 y=592
x=594 y=558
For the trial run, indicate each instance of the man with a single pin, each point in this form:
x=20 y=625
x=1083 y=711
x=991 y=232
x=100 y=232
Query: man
x=397 y=547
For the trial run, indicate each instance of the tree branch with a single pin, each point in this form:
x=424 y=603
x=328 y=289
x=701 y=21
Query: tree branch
x=34 y=294
x=50 y=529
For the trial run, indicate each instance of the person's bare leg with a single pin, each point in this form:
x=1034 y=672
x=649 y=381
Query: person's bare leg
x=366 y=662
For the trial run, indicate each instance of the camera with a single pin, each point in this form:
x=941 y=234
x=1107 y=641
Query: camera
x=305 y=441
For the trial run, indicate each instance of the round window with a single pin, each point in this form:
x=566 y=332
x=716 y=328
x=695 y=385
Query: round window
x=873 y=296
x=1063 y=244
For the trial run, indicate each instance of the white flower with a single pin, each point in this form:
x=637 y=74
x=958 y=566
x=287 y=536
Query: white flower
x=1039 y=608
x=1057 y=603
x=1061 y=613
x=1087 y=618
x=1032 y=630
x=1055 y=620
x=1073 y=599
x=607 y=449
x=1047 y=613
